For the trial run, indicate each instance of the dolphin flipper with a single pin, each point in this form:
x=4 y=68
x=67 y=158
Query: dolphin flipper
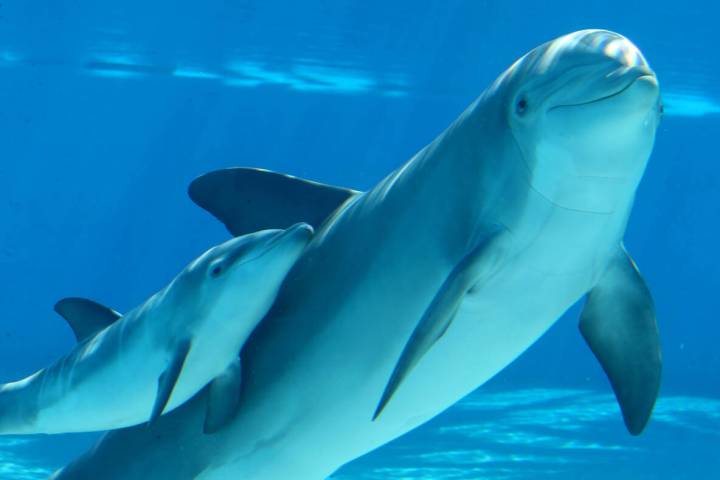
x=475 y=267
x=168 y=379
x=85 y=317
x=223 y=398
x=251 y=199
x=618 y=323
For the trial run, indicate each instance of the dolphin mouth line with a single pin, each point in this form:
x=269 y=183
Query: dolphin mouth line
x=606 y=97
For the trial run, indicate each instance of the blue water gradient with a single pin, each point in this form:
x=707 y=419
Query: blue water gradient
x=107 y=112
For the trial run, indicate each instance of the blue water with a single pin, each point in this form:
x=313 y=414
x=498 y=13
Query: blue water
x=109 y=109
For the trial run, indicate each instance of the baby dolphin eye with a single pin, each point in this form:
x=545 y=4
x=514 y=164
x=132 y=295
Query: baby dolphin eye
x=521 y=106
x=216 y=271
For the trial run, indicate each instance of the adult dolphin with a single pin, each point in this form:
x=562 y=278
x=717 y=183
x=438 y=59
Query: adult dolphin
x=477 y=245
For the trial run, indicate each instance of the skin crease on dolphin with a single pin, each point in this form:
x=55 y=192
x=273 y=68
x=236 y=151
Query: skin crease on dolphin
x=432 y=282
x=113 y=377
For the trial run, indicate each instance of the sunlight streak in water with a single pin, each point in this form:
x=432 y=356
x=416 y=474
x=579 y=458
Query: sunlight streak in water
x=122 y=66
x=9 y=57
x=683 y=104
x=300 y=75
x=196 y=73
x=15 y=466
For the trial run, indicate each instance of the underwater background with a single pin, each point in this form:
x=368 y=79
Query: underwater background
x=109 y=109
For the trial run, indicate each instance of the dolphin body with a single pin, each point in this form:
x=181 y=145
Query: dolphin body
x=128 y=369
x=436 y=279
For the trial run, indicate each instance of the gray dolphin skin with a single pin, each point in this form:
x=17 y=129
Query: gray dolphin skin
x=413 y=294
x=130 y=369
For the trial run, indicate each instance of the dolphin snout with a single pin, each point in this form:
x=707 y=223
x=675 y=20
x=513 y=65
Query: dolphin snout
x=301 y=228
x=300 y=231
x=298 y=235
x=604 y=81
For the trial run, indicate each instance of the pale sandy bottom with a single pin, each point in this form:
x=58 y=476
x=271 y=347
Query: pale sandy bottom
x=498 y=435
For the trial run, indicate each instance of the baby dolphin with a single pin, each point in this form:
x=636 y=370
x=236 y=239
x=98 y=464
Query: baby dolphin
x=130 y=369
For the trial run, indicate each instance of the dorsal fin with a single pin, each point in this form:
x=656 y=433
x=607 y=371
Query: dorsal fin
x=85 y=317
x=251 y=199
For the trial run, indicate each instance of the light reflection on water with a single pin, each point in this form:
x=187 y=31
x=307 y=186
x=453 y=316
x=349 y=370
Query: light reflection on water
x=505 y=435
x=550 y=433
x=300 y=75
x=689 y=104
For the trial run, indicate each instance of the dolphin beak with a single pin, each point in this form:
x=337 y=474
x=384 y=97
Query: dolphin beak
x=297 y=235
x=300 y=230
x=300 y=233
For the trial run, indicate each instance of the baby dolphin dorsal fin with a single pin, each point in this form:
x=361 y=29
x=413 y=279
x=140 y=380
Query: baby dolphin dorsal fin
x=618 y=323
x=85 y=317
x=223 y=398
x=168 y=379
x=251 y=199
x=472 y=270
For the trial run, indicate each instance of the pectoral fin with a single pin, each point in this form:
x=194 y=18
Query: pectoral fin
x=85 y=317
x=618 y=323
x=474 y=268
x=168 y=379
x=223 y=398
x=251 y=199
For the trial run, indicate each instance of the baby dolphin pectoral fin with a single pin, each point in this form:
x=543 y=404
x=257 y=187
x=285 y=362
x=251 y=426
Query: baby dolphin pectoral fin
x=85 y=317
x=474 y=268
x=618 y=323
x=250 y=199
x=223 y=398
x=168 y=379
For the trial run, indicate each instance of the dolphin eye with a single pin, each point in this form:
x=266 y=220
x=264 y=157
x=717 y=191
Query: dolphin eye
x=521 y=106
x=216 y=271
